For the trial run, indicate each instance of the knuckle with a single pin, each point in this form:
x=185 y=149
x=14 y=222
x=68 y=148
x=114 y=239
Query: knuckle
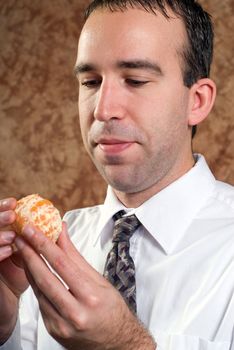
x=36 y=237
x=1 y=239
x=93 y=301
x=59 y=263
x=40 y=242
x=80 y=321
x=41 y=245
x=40 y=283
x=62 y=330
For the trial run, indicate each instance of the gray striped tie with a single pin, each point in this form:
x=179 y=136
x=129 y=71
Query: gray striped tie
x=119 y=268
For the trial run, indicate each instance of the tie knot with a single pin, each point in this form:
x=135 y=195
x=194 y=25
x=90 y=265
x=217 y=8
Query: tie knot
x=124 y=227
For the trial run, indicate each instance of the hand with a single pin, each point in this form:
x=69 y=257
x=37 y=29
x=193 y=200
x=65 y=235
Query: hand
x=87 y=313
x=13 y=281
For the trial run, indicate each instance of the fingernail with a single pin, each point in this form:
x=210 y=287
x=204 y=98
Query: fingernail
x=7 y=202
x=19 y=243
x=28 y=231
x=8 y=236
x=6 y=216
x=4 y=202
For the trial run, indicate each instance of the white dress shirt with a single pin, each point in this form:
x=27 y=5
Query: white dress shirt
x=184 y=259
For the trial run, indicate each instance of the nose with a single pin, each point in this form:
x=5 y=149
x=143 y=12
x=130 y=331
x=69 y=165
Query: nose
x=109 y=102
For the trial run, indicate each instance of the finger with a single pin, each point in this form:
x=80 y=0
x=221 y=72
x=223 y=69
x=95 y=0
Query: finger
x=5 y=252
x=42 y=299
x=16 y=258
x=52 y=319
x=76 y=275
x=44 y=280
x=7 y=218
x=8 y=204
x=7 y=214
x=6 y=237
x=65 y=243
x=55 y=323
x=13 y=276
x=51 y=315
x=59 y=325
x=63 y=240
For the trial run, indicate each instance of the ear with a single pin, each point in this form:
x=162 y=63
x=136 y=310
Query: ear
x=202 y=97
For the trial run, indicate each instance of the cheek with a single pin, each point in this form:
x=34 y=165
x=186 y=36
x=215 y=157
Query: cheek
x=83 y=121
x=162 y=122
x=85 y=116
x=152 y=115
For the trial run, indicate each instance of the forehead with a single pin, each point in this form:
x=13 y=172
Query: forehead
x=133 y=33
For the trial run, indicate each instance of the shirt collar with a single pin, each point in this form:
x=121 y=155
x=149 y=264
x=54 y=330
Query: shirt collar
x=168 y=214
x=110 y=207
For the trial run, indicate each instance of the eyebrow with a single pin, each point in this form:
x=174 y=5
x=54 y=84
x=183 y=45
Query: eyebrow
x=83 y=68
x=141 y=64
x=131 y=64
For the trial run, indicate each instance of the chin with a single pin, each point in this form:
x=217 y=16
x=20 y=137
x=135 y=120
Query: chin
x=122 y=178
x=124 y=186
x=119 y=185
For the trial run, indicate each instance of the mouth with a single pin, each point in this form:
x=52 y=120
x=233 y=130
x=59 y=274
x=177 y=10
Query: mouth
x=113 y=146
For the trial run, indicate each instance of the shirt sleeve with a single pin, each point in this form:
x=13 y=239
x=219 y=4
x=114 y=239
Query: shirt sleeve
x=13 y=343
x=24 y=335
x=188 y=342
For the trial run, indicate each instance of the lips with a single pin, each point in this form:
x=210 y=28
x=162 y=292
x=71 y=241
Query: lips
x=113 y=145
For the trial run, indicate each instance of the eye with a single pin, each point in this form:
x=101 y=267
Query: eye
x=91 y=83
x=136 y=82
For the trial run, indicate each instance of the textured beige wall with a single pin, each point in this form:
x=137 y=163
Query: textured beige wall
x=40 y=144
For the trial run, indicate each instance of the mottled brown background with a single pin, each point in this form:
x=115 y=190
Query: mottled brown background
x=40 y=144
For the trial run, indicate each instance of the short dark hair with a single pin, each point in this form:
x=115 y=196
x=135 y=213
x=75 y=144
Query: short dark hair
x=198 y=53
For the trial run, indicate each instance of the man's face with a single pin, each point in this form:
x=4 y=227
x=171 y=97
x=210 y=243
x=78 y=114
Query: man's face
x=133 y=104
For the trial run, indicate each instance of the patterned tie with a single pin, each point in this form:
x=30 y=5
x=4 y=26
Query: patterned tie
x=119 y=269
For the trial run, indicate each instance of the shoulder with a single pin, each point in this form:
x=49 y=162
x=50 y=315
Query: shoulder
x=82 y=216
x=217 y=213
x=224 y=196
x=83 y=226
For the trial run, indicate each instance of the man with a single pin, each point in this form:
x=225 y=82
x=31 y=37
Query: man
x=143 y=69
